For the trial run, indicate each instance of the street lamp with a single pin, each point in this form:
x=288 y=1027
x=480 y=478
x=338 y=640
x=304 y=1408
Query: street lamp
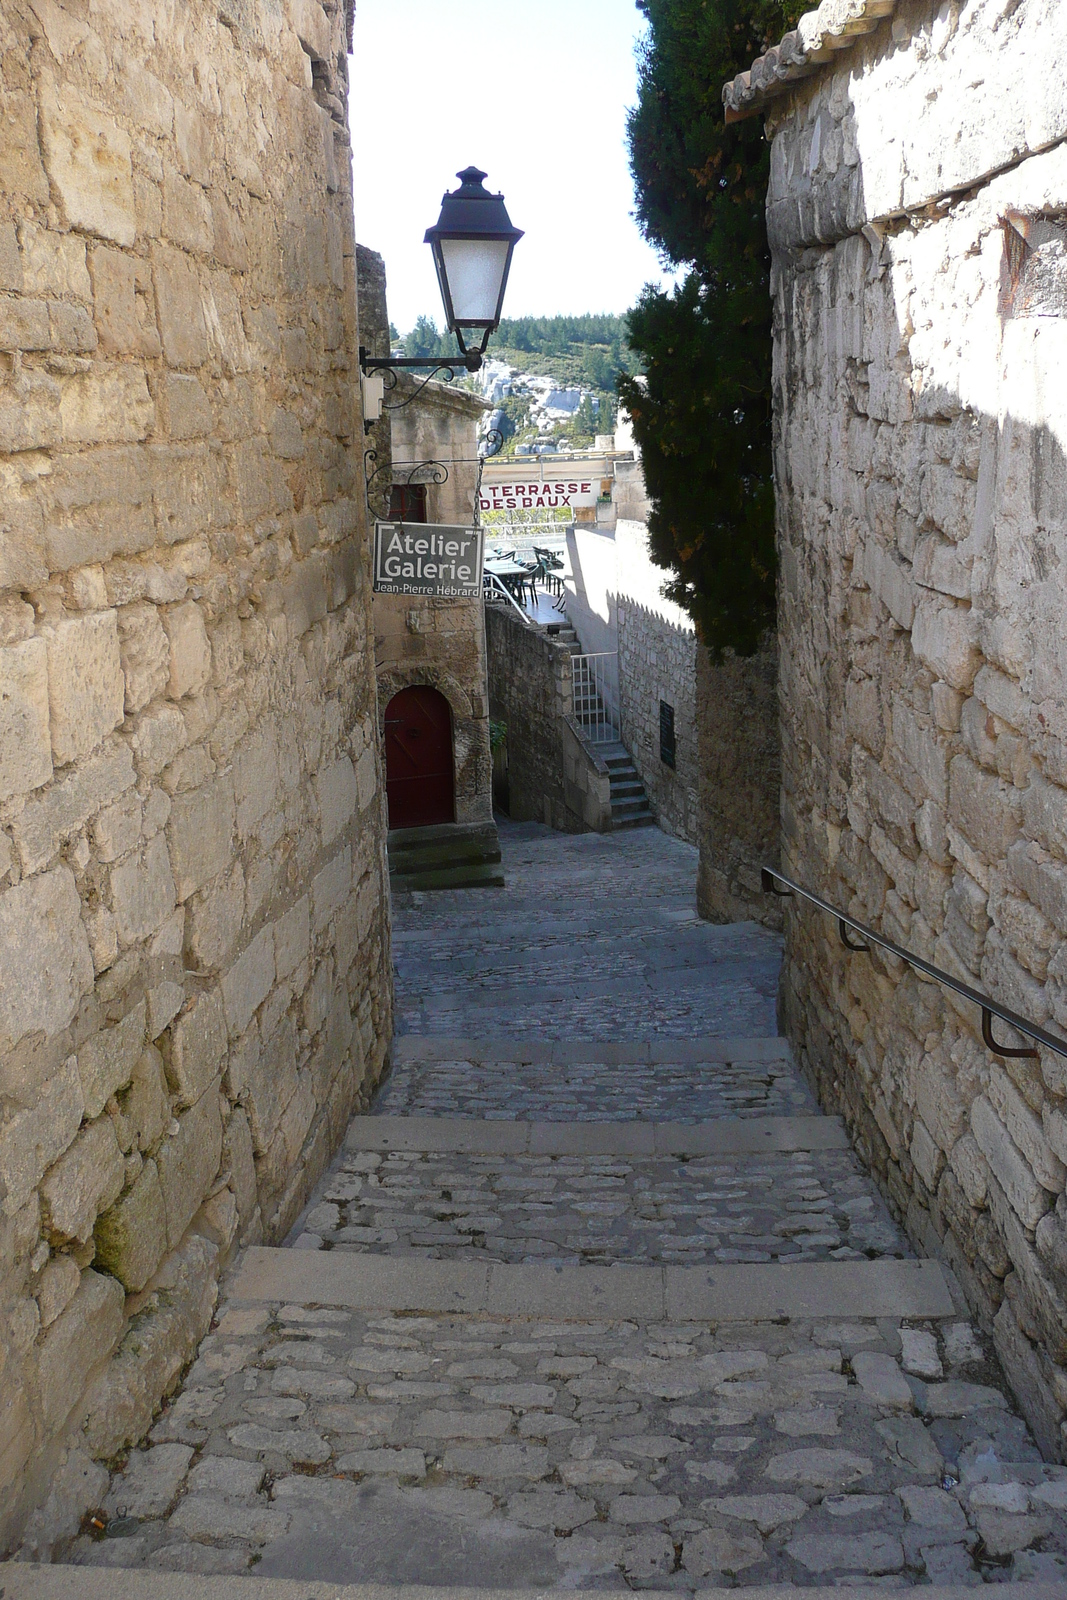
x=472 y=243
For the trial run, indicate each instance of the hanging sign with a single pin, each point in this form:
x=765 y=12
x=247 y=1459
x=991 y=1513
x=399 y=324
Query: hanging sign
x=550 y=495
x=431 y=558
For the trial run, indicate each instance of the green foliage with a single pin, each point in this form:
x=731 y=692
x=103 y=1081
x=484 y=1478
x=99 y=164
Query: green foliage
x=424 y=340
x=702 y=412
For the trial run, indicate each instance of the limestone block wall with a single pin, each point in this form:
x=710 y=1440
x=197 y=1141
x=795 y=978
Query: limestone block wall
x=657 y=662
x=530 y=688
x=918 y=212
x=194 y=987
x=739 y=777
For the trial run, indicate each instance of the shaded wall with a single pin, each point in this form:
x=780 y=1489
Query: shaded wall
x=739 y=784
x=920 y=286
x=194 y=939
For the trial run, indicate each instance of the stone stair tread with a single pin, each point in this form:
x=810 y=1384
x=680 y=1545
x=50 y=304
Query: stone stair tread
x=23 y=1581
x=563 y=1052
x=432 y=855
x=726 y=1135
x=719 y=1293
x=462 y=876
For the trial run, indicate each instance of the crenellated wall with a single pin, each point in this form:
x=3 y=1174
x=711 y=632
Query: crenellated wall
x=194 y=940
x=918 y=214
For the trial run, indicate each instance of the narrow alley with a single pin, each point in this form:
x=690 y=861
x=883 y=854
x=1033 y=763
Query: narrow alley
x=594 y=1297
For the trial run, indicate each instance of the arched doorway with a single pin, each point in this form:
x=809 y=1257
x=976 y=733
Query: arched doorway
x=418 y=759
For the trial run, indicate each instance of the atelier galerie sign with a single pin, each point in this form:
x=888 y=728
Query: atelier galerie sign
x=432 y=558
x=559 y=493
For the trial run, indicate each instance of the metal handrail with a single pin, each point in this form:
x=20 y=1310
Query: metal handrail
x=990 y=1008
x=492 y=583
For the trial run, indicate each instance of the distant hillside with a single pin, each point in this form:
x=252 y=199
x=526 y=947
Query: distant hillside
x=588 y=350
x=584 y=352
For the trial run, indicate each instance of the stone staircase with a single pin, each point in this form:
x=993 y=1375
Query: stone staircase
x=596 y=1312
x=629 y=802
x=451 y=855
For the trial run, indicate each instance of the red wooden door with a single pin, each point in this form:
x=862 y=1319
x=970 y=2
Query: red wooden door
x=418 y=759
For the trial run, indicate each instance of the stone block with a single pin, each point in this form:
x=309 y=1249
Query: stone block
x=57 y=1287
x=108 y=407
x=117 y=830
x=338 y=793
x=45 y=964
x=87 y=156
x=21 y=168
x=150 y=1482
x=982 y=808
x=945 y=639
x=132 y=1237
x=121 y=1403
x=145 y=654
x=77 y=1343
x=190 y=650
x=200 y=835
x=198 y=1047
x=84 y=1181
x=25 y=740
x=1008 y=1165
x=142 y=890
x=86 y=688
x=1045 y=815
x=256 y=778
x=187 y=219
x=114 y=278
x=146 y=1105
x=292 y=938
x=34 y=1138
x=237 y=1155
x=24 y=325
x=1027 y=1131
x=249 y=981
x=158 y=738
x=188 y=1162
x=331 y=888
x=65 y=807
x=180 y=307
x=186 y=407
x=213 y=921
x=106 y=1061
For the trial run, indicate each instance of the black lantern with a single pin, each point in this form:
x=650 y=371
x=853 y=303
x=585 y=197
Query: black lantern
x=473 y=244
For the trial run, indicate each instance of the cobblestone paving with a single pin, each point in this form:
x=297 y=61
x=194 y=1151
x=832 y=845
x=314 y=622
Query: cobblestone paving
x=593 y=1092
x=595 y=936
x=803 y=1207
x=582 y=1454
x=339 y=1446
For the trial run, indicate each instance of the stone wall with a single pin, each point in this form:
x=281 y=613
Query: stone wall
x=917 y=213
x=740 y=785
x=657 y=663
x=194 y=981
x=530 y=689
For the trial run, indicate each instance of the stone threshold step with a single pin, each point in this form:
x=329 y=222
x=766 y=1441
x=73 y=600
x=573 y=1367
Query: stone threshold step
x=358 y=1282
x=474 y=1136
x=565 y=1052
x=21 y=1581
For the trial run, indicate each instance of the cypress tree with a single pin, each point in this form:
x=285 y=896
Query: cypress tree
x=702 y=411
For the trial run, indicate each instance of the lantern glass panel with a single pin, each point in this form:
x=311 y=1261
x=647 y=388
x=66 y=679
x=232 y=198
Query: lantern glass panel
x=475 y=271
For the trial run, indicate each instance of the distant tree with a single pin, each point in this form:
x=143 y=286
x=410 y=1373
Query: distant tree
x=702 y=411
x=424 y=340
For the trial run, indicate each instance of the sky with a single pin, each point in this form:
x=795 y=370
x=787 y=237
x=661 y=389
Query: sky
x=535 y=92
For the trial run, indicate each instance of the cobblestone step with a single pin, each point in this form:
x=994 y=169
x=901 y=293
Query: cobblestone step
x=81 y=1583
x=721 y=1294
x=726 y=1136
